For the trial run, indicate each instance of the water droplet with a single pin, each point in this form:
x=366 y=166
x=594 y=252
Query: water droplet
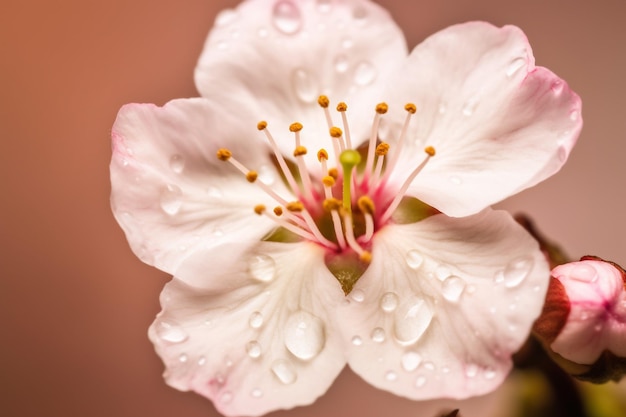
x=557 y=87
x=226 y=397
x=170 y=333
x=584 y=272
x=304 y=85
x=429 y=365
x=177 y=163
x=358 y=295
x=341 y=64
x=420 y=381
x=284 y=371
x=452 y=288
x=490 y=373
x=598 y=327
x=256 y=320
x=498 y=278
x=574 y=115
x=414 y=259
x=515 y=66
x=471 y=370
x=324 y=6
x=257 y=393
x=253 y=348
x=391 y=376
x=304 y=335
x=225 y=17
x=347 y=43
x=267 y=175
x=183 y=358
x=455 y=180
x=262 y=267
x=171 y=199
x=442 y=272
x=517 y=271
x=412 y=319
x=365 y=73
x=378 y=335
x=262 y=32
x=389 y=302
x=470 y=106
x=445 y=370
x=201 y=361
x=410 y=361
x=359 y=13
x=357 y=341
x=562 y=154
x=286 y=17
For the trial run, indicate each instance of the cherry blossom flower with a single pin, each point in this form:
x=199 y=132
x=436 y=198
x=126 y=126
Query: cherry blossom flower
x=327 y=202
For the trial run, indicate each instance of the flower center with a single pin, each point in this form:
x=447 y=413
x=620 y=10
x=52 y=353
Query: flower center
x=342 y=208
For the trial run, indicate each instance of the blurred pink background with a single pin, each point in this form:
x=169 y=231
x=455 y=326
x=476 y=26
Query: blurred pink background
x=76 y=303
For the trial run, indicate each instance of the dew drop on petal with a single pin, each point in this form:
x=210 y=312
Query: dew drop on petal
x=442 y=272
x=177 y=163
x=357 y=341
x=414 y=259
x=389 y=302
x=391 y=376
x=557 y=87
x=201 y=360
x=257 y=393
x=262 y=267
x=574 y=115
x=304 y=335
x=286 y=17
x=378 y=335
x=225 y=17
x=490 y=373
x=470 y=107
x=410 y=361
x=341 y=63
x=253 y=348
x=226 y=397
x=515 y=66
x=584 y=272
x=517 y=271
x=284 y=371
x=347 y=43
x=412 y=319
x=420 y=381
x=304 y=85
x=429 y=365
x=182 y=358
x=256 y=320
x=471 y=370
x=358 y=295
x=365 y=73
x=452 y=288
x=266 y=175
x=171 y=199
x=262 y=32
x=170 y=333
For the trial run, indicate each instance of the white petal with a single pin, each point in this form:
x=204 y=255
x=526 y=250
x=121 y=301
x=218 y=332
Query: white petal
x=445 y=303
x=254 y=345
x=171 y=194
x=498 y=123
x=278 y=56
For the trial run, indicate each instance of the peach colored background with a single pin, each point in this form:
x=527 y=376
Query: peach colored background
x=75 y=303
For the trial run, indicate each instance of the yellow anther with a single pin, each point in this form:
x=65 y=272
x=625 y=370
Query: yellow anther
x=381 y=108
x=323 y=101
x=299 y=151
x=295 y=127
x=322 y=155
x=295 y=206
x=366 y=257
x=410 y=107
x=335 y=132
x=382 y=149
x=430 y=150
x=328 y=181
x=224 y=154
x=261 y=125
x=342 y=106
x=366 y=205
x=251 y=176
x=278 y=210
x=331 y=204
x=259 y=209
x=333 y=173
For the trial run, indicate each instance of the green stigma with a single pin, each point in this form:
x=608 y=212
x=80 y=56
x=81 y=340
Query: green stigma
x=349 y=159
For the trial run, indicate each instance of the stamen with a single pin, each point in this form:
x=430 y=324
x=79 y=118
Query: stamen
x=251 y=176
x=381 y=151
x=260 y=210
x=363 y=254
x=278 y=210
x=299 y=152
x=333 y=173
x=366 y=205
x=324 y=102
x=341 y=108
x=329 y=182
x=262 y=125
x=430 y=152
x=410 y=111
x=381 y=108
x=349 y=159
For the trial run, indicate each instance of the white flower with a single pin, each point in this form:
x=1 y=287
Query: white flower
x=254 y=319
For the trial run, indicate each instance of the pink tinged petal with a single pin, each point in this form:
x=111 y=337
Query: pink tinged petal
x=498 y=123
x=278 y=56
x=444 y=304
x=258 y=335
x=597 y=319
x=170 y=193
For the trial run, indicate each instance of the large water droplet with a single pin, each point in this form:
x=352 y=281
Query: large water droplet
x=470 y=106
x=515 y=66
x=170 y=332
x=256 y=320
x=341 y=63
x=584 y=272
x=410 y=361
x=389 y=302
x=225 y=17
x=378 y=335
x=365 y=73
x=253 y=348
x=284 y=371
x=262 y=267
x=171 y=199
x=286 y=17
x=412 y=319
x=304 y=335
x=517 y=271
x=358 y=295
x=452 y=288
x=304 y=85
x=414 y=259
x=177 y=163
